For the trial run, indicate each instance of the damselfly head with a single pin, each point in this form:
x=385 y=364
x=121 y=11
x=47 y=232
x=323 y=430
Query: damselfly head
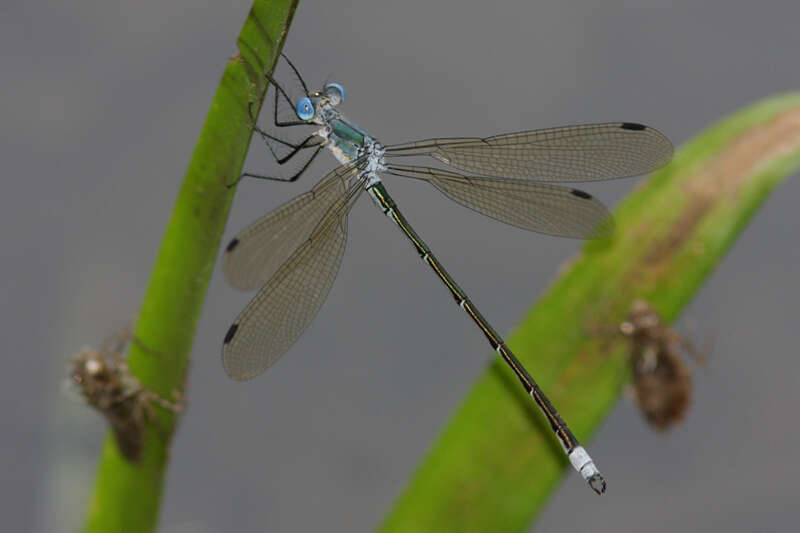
x=309 y=106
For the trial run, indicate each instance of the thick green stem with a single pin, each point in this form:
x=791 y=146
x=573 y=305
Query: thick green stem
x=127 y=495
x=496 y=463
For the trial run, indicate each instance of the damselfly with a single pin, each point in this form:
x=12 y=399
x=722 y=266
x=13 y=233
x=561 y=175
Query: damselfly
x=294 y=252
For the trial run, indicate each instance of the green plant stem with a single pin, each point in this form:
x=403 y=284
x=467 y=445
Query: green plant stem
x=127 y=495
x=496 y=462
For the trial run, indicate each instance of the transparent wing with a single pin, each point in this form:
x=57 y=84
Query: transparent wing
x=257 y=252
x=572 y=153
x=290 y=300
x=529 y=205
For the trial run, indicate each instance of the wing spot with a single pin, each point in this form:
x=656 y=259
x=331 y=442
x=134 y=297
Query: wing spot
x=633 y=126
x=581 y=194
x=231 y=333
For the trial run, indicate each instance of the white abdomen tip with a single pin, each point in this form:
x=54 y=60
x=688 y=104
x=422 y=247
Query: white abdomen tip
x=583 y=463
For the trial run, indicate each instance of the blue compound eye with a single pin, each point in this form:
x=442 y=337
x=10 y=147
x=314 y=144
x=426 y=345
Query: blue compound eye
x=335 y=93
x=305 y=109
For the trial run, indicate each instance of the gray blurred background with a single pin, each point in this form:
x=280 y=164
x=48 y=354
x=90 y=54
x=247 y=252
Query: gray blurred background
x=101 y=106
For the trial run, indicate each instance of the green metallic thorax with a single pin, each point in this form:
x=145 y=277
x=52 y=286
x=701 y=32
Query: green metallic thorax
x=347 y=137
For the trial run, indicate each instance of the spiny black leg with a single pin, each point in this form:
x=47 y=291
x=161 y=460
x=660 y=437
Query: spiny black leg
x=296 y=73
x=264 y=135
x=307 y=143
x=278 y=89
x=290 y=178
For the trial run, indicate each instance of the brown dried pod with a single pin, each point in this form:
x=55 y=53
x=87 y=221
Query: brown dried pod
x=662 y=382
x=102 y=378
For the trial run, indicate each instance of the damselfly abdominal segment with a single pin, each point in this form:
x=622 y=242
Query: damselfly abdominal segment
x=293 y=253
